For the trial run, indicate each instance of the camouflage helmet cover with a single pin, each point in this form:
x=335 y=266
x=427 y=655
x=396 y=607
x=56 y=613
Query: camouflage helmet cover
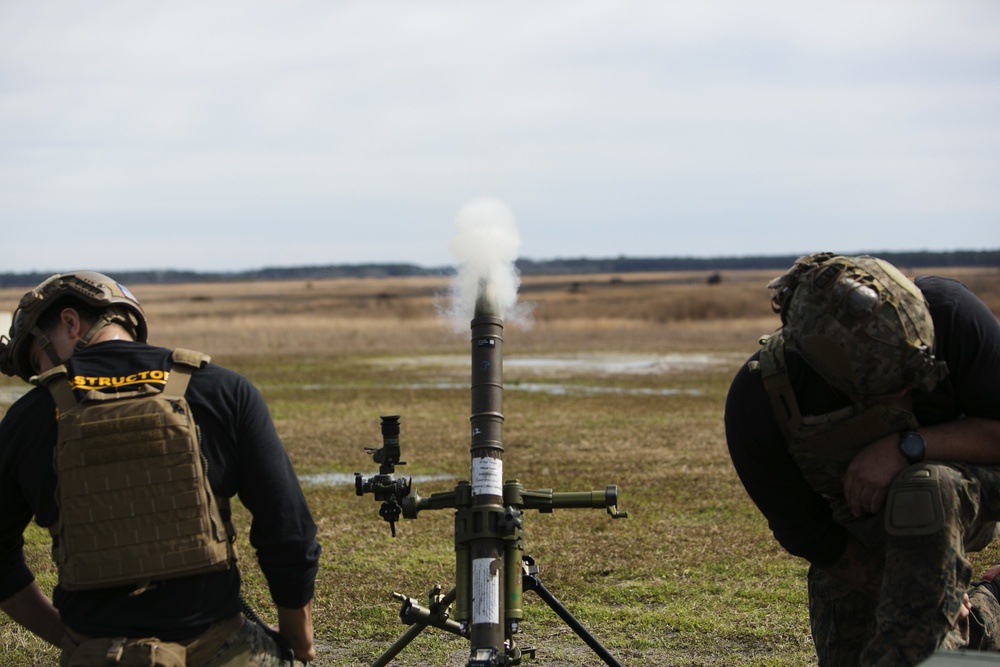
x=859 y=322
x=88 y=287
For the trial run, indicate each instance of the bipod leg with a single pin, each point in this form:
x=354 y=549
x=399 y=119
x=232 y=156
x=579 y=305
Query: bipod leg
x=418 y=618
x=533 y=583
x=394 y=650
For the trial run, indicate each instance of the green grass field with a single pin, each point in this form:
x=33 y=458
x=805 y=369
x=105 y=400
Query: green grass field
x=614 y=383
x=690 y=577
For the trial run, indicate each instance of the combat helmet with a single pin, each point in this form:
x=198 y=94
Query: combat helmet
x=95 y=290
x=859 y=322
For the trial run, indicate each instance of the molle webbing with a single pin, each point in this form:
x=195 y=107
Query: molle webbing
x=134 y=501
x=774 y=373
x=824 y=445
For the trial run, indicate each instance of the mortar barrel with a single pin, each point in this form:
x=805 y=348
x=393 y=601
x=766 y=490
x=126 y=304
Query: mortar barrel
x=486 y=549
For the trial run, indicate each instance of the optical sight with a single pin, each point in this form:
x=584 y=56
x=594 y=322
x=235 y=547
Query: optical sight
x=384 y=486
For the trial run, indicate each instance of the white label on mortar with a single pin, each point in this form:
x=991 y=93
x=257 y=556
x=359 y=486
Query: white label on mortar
x=487 y=477
x=485 y=591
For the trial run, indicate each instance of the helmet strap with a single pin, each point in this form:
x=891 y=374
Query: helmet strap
x=104 y=320
x=46 y=345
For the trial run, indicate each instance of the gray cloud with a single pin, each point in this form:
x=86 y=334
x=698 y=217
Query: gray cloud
x=246 y=134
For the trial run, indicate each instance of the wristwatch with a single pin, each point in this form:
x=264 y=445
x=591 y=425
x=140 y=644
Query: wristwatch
x=912 y=446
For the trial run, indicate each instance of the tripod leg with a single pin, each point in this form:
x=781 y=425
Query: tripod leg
x=532 y=583
x=418 y=618
x=404 y=639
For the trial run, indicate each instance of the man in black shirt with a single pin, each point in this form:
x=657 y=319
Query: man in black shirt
x=867 y=432
x=95 y=327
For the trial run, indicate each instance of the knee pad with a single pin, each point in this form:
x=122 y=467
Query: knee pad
x=914 y=505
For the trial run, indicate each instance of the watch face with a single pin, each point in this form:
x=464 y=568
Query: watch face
x=913 y=446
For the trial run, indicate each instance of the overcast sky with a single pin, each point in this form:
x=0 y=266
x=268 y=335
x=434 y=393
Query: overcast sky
x=225 y=134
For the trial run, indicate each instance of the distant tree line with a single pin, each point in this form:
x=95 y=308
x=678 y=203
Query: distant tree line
x=921 y=259
x=527 y=267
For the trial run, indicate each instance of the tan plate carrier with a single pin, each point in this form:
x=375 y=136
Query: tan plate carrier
x=135 y=505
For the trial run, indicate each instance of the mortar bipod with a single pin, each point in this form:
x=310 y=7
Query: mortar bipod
x=507 y=525
x=437 y=613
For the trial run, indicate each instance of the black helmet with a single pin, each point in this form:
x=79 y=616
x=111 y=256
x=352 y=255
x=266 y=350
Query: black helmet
x=90 y=288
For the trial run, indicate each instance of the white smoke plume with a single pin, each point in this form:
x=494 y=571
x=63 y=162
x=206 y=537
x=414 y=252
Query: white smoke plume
x=485 y=247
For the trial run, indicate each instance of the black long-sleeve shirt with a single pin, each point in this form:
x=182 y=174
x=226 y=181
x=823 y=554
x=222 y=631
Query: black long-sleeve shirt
x=245 y=459
x=967 y=338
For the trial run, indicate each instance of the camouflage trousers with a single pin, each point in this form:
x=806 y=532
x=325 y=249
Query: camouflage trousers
x=235 y=642
x=252 y=646
x=925 y=578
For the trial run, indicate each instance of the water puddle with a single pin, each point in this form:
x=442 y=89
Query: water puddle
x=576 y=365
x=618 y=364
x=578 y=390
x=554 y=389
x=590 y=363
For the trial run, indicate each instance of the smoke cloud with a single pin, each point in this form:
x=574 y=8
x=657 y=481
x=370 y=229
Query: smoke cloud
x=485 y=248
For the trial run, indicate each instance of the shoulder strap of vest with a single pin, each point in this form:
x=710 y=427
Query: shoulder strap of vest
x=774 y=373
x=57 y=382
x=185 y=362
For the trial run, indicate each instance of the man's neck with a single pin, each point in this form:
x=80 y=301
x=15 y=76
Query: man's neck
x=111 y=332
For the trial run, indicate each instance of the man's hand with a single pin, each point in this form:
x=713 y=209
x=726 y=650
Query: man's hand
x=30 y=608
x=296 y=626
x=871 y=471
x=965 y=610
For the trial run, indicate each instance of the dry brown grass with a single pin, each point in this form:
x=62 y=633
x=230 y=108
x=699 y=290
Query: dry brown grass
x=636 y=312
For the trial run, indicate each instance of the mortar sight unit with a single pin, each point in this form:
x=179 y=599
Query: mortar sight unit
x=385 y=486
x=491 y=567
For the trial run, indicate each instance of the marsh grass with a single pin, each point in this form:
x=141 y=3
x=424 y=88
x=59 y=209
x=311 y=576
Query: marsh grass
x=691 y=577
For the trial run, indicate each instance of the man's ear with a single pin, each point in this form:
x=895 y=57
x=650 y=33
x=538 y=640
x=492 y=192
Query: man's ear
x=69 y=320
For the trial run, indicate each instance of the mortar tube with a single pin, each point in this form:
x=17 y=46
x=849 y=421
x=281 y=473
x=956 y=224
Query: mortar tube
x=463 y=559
x=487 y=632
